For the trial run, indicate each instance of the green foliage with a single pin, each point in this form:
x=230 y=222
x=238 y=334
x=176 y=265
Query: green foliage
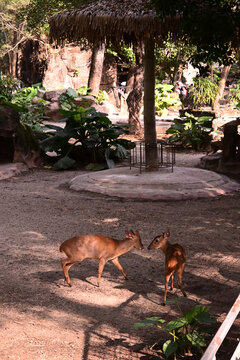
x=30 y=106
x=235 y=95
x=203 y=92
x=164 y=98
x=102 y=96
x=188 y=333
x=83 y=90
x=214 y=31
x=93 y=136
x=128 y=53
x=123 y=52
x=38 y=12
x=170 y=56
x=11 y=26
x=191 y=131
x=7 y=86
x=22 y=100
x=66 y=99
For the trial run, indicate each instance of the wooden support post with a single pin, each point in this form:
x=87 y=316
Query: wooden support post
x=150 y=134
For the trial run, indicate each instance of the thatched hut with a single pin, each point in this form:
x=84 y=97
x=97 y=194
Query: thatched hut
x=112 y=21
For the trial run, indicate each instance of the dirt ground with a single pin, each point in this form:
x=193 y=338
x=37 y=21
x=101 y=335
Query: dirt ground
x=42 y=318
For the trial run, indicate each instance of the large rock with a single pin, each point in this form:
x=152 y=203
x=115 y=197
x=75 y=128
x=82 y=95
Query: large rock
x=52 y=111
x=9 y=123
x=67 y=67
x=17 y=143
x=53 y=95
x=86 y=101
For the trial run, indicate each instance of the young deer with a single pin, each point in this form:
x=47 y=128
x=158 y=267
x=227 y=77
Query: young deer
x=99 y=247
x=175 y=259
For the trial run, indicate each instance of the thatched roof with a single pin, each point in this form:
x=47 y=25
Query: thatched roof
x=110 y=20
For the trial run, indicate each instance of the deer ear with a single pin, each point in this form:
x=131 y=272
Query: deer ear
x=128 y=234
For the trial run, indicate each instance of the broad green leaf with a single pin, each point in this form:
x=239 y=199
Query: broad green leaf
x=95 y=167
x=194 y=312
x=205 y=318
x=64 y=163
x=170 y=347
x=52 y=127
x=175 y=324
x=110 y=163
x=155 y=320
x=68 y=112
x=71 y=92
x=196 y=339
x=16 y=107
x=121 y=152
x=52 y=143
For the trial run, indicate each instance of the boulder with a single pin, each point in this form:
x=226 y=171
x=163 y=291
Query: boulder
x=9 y=122
x=53 y=95
x=86 y=101
x=17 y=143
x=52 y=111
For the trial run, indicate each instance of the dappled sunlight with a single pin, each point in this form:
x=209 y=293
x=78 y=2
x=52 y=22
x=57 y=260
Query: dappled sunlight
x=41 y=314
x=114 y=221
x=98 y=298
x=109 y=220
x=33 y=235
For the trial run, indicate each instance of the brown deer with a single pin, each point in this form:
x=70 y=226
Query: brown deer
x=99 y=247
x=175 y=259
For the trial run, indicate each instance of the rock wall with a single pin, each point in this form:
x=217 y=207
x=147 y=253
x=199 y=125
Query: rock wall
x=67 y=67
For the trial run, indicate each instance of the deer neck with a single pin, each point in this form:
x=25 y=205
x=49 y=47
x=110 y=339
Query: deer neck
x=125 y=245
x=165 y=246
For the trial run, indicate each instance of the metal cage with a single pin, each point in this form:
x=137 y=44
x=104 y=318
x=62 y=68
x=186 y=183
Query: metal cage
x=166 y=155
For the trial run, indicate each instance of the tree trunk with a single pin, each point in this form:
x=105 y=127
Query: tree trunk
x=130 y=79
x=134 y=99
x=13 y=56
x=178 y=69
x=222 y=83
x=96 y=68
x=149 y=107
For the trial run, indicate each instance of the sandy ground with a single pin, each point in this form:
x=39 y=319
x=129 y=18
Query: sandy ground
x=42 y=318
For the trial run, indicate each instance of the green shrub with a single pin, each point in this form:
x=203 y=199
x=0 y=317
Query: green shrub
x=66 y=99
x=203 y=92
x=31 y=112
x=7 y=86
x=188 y=333
x=83 y=90
x=235 y=95
x=191 y=131
x=164 y=99
x=30 y=106
x=102 y=96
x=93 y=137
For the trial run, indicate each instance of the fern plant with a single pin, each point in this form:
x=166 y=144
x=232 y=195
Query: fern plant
x=203 y=92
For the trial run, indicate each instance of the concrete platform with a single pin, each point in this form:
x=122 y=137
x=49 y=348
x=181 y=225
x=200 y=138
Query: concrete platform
x=182 y=183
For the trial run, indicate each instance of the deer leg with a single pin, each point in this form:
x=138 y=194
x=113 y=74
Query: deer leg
x=167 y=277
x=180 y=284
x=102 y=262
x=66 y=264
x=119 y=267
x=171 y=288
